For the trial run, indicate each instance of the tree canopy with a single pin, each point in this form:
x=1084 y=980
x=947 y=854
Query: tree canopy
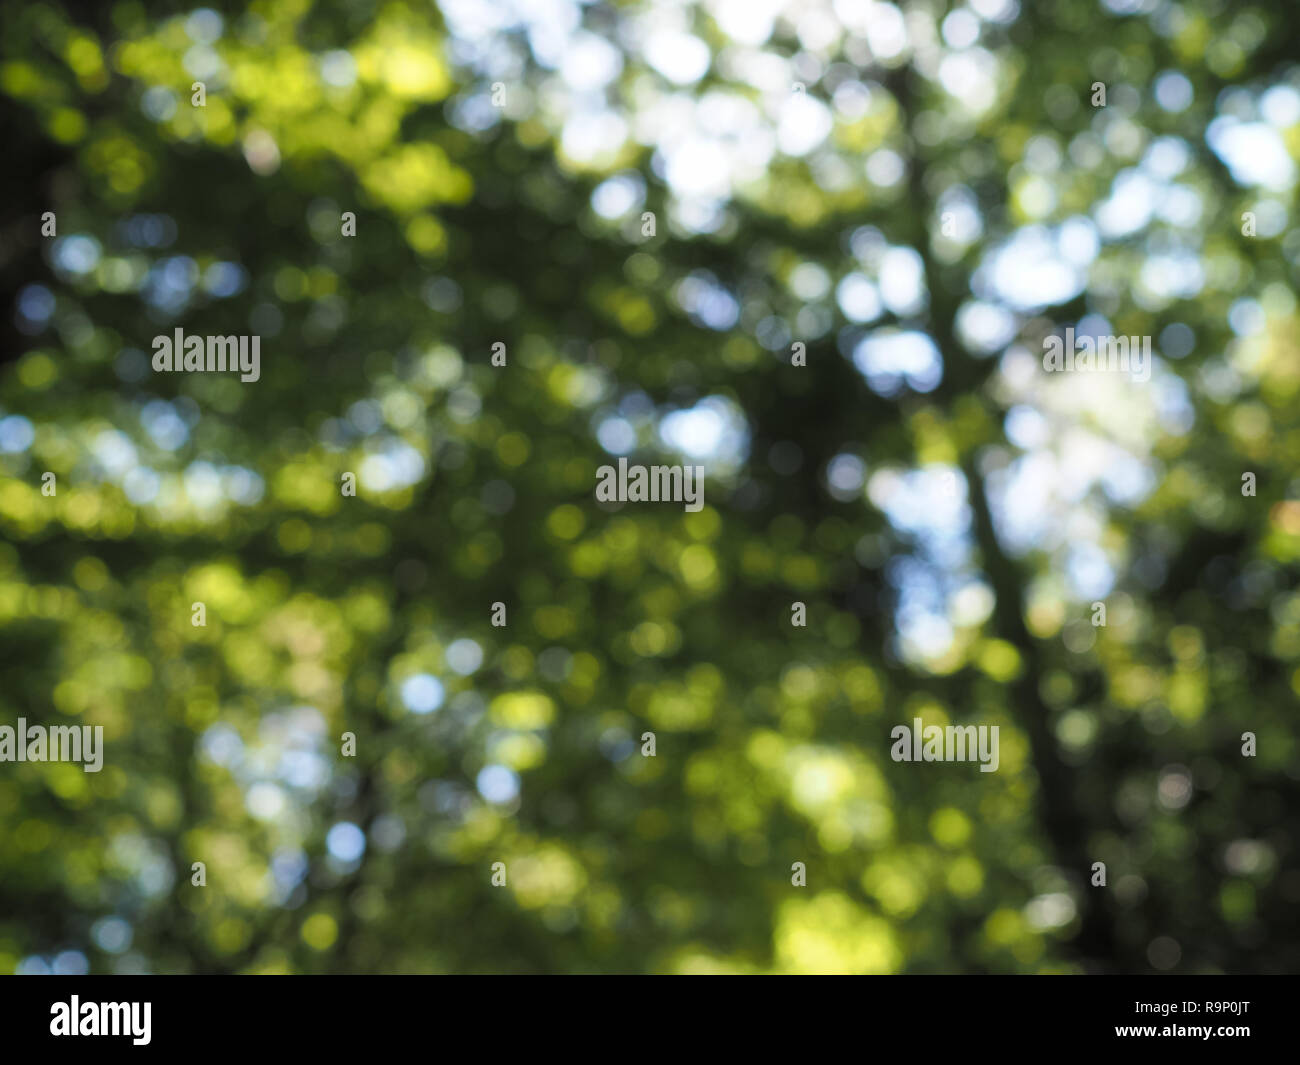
x=817 y=248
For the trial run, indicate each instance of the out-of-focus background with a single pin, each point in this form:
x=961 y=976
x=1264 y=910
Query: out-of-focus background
x=651 y=205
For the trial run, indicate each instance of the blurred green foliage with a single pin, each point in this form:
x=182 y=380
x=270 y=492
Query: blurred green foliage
x=1119 y=744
